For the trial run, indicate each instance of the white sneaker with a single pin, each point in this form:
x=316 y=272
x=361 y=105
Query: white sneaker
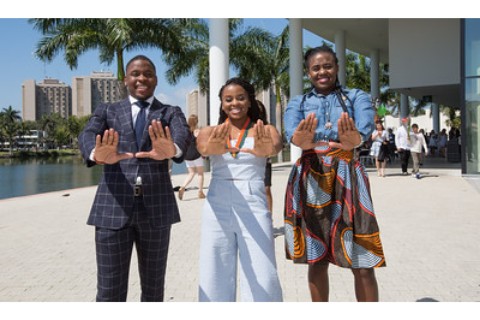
x=414 y=175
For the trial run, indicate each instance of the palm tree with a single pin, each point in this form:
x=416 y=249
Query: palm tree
x=112 y=37
x=74 y=126
x=358 y=72
x=192 y=58
x=10 y=122
x=49 y=124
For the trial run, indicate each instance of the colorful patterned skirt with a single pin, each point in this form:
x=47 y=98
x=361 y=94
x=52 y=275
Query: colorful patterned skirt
x=329 y=212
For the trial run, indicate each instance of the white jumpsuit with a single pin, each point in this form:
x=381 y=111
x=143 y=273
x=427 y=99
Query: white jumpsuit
x=237 y=227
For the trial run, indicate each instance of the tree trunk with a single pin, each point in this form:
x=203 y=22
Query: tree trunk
x=122 y=90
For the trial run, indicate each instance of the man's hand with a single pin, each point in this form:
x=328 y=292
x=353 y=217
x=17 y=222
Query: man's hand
x=106 y=148
x=162 y=143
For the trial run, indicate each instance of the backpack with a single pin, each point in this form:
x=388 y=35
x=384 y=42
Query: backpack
x=192 y=152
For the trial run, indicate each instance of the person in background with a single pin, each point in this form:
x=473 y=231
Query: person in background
x=424 y=148
x=268 y=166
x=194 y=166
x=417 y=142
x=237 y=229
x=392 y=149
x=135 y=204
x=433 y=143
x=379 y=148
x=442 y=143
x=329 y=216
x=403 y=145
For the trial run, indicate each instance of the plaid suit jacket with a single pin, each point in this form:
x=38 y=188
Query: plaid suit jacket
x=113 y=203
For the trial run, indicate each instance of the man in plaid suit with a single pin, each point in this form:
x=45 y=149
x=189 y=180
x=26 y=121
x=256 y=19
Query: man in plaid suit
x=135 y=202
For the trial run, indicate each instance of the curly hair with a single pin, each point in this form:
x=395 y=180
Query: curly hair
x=253 y=112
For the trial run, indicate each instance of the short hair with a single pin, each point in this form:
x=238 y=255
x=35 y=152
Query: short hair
x=141 y=57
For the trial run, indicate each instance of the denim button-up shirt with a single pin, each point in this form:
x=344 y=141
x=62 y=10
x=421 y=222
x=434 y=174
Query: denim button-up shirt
x=327 y=107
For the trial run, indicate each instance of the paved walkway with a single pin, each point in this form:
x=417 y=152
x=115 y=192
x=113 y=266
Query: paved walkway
x=429 y=227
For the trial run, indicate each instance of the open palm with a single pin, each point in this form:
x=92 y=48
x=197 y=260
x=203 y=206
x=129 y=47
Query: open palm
x=348 y=134
x=106 y=148
x=304 y=134
x=263 y=142
x=162 y=143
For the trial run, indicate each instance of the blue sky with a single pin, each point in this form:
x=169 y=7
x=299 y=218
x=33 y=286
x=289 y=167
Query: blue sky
x=19 y=64
x=18 y=39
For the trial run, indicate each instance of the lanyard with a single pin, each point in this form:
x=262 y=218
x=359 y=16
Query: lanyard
x=241 y=137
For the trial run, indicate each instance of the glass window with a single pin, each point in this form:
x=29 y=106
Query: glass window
x=470 y=141
x=472 y=119
x=472 y=47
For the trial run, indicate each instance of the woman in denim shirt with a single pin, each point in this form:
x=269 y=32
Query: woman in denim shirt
x=329 y=216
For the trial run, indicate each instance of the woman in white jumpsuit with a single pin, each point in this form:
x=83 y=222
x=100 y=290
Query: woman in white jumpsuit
x=237 y=230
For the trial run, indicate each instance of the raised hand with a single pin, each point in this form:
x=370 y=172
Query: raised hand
x=217 y=141
x=348 y=134
x=162 y=143
x=304 y=135
x=106 y=148
x=264 y=144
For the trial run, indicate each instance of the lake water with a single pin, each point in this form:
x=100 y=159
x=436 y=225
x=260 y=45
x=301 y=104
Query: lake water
x=33 y=176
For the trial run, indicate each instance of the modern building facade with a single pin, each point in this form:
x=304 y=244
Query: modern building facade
x=470 y=95
x=196 y=103
x=46 y=97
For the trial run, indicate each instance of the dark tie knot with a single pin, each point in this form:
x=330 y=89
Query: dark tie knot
x=142 y=104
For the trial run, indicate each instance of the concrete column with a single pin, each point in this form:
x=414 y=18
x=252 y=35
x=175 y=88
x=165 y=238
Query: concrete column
x=435 y=110
x=296 y=70
x=219 y=63
x=340 y=50
x=374 y=74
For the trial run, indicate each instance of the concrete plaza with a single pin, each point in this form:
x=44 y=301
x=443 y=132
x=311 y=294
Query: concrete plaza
x=429 y=228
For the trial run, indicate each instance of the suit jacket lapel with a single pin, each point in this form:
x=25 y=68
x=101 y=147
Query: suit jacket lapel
x=155 y=112
x=124 y=115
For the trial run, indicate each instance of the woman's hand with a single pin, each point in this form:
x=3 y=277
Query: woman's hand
x=213 y=140
x=348 y=134
x=266 y=143
x=304 y=135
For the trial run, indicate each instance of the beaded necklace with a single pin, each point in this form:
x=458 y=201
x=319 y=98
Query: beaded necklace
x=241 y=137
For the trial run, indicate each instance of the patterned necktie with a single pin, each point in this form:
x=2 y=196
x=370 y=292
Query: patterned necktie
x=141 y=121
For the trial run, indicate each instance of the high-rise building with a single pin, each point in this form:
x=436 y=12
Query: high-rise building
x=89 y=92
x=53 y=96
x=197 y=104
x=46 y=97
